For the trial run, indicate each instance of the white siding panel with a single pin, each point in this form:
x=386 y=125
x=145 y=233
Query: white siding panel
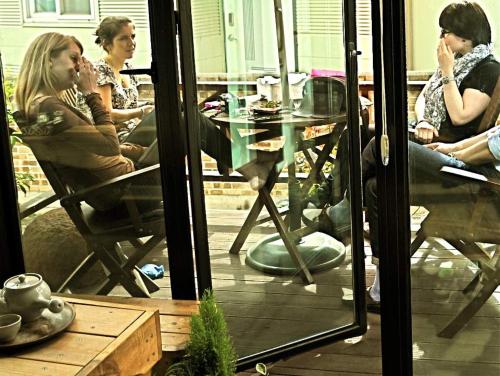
x=10 y=13
x=207 y=17
x=136 y=10
x=325 y=17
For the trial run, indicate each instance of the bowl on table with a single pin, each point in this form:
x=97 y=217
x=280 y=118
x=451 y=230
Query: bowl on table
x=9 y=326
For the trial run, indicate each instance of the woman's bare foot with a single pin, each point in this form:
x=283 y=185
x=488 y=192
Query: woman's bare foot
x=257 y=171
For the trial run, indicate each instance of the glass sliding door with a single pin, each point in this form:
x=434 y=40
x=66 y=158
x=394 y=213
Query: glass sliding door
x=99 y=148
x=276 y=113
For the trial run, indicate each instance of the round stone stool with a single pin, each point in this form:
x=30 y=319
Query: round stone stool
x=53 y=247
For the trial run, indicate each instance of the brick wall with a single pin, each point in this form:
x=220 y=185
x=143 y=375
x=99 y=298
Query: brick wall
x=24 y=161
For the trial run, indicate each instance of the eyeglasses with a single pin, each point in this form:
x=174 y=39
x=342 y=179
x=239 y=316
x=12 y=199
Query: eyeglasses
x=444 y=32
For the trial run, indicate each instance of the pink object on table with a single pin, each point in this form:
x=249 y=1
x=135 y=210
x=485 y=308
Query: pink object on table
x=327 y=73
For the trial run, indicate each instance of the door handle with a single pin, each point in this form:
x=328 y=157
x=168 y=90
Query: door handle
x=231 y=38
x=149 y=71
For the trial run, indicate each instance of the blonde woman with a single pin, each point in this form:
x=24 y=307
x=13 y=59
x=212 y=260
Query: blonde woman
x=87 y=153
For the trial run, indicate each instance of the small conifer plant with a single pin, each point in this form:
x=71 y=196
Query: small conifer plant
x=210 y=350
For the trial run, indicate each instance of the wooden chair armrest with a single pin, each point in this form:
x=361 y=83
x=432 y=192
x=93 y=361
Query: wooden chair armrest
x=35 y=204
x=120 y=180
x=467 y=177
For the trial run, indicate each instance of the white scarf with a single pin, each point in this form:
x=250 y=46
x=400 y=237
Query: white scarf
x=435 y=108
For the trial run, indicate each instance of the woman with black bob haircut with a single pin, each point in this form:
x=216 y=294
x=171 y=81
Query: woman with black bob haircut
x=466 y=20
x=452 y=103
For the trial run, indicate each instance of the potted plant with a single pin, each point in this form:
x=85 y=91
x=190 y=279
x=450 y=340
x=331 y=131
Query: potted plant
x=210 y=350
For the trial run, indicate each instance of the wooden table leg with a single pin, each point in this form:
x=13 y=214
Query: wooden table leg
x=247 y=227
x=252 y=216
x=287 y=238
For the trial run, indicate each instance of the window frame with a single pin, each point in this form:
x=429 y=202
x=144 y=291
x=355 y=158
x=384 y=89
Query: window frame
x=49 y=18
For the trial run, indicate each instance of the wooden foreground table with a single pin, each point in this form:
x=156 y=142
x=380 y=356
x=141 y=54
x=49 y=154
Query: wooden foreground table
x=104 y=339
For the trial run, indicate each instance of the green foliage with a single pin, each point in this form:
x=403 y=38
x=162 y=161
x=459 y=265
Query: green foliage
x=23 y=179
x=209 y=351
x=8 y=88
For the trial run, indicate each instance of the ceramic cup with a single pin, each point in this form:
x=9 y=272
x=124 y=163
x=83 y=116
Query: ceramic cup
x=9 y=327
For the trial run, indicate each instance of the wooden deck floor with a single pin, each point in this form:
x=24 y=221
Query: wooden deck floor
x=263 y=311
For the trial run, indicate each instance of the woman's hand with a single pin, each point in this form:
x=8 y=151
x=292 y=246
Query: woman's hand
x=147 y=109
x=446 y=58
x=442 y=147
x=425 y=132
x=87 y=78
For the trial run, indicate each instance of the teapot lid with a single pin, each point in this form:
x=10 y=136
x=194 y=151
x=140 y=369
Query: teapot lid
x=23 y=281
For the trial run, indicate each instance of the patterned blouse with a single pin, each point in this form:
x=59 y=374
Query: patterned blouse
x=121 y=97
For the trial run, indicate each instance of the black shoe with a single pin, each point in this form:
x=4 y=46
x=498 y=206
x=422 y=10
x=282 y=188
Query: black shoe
x=371 y=305
x=334 y=221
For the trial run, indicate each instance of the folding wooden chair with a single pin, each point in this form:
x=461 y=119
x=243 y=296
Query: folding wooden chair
x=467 y=234
x=104 y=231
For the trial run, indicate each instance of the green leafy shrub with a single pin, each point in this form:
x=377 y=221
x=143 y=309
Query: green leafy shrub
x=209 y=351
x=23 y=179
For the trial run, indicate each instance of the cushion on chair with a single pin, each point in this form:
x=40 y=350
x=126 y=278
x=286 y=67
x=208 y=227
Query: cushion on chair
x=118 y=222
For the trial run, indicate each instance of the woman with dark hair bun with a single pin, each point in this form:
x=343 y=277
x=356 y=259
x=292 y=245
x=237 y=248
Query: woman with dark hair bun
x=452 y=103
x=116 y=35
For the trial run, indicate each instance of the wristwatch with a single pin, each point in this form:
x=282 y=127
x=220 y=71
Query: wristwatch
x=447 y=79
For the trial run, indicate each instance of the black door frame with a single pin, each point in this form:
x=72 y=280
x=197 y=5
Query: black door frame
x=11 y=252
x=358 y=327
x=172 y=146
x=389 y=56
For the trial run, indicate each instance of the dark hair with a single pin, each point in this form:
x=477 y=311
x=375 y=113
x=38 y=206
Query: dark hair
x=466 y=20
x=109 y=28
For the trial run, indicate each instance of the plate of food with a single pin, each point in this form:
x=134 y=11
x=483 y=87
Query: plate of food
x=268 y=107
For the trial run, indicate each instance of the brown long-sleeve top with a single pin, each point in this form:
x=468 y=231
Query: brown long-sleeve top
x=89 y=154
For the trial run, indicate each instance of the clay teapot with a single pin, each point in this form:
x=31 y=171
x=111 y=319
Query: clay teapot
x=28 y=295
